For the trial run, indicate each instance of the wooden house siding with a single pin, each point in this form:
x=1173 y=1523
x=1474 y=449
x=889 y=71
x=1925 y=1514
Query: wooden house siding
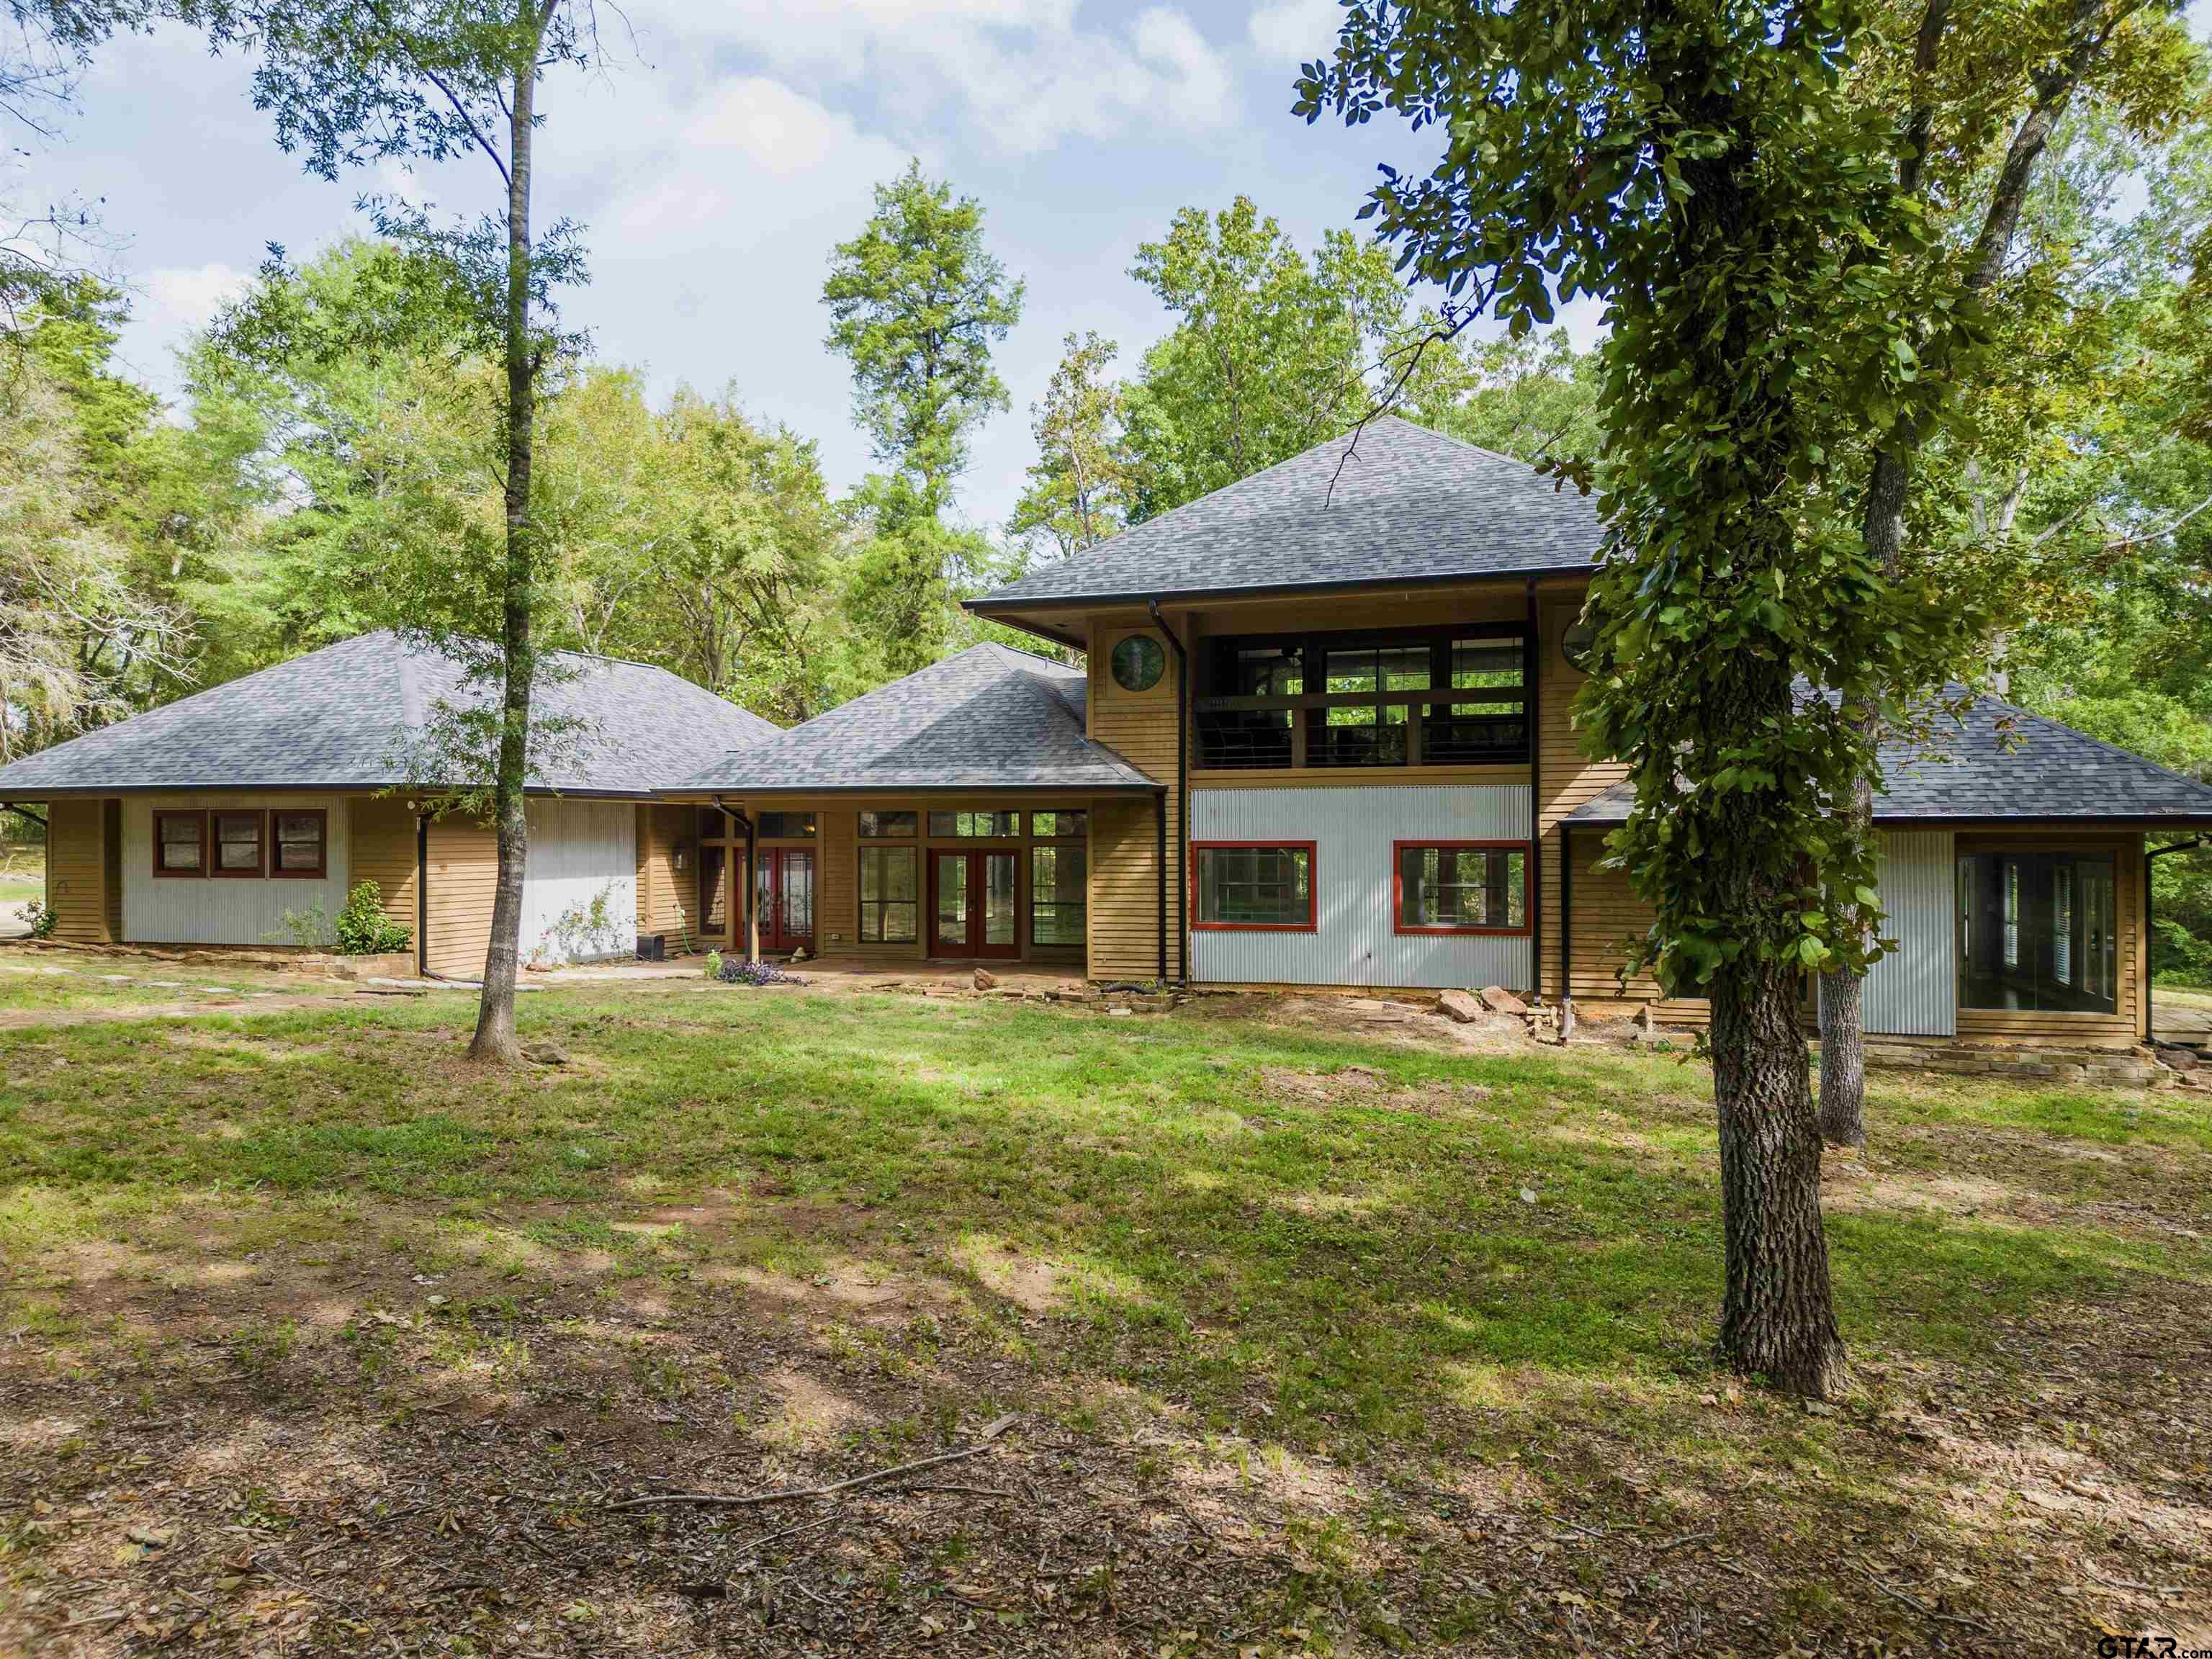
x=667 y=897
x=1566 y=779
x=80 y=860
x=463 y=871
x=384 y=852
x=1123 y=915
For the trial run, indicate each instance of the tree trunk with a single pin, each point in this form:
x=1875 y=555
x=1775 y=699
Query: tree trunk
x=495 y=1035
x=1842 y=1058
x=1843 y=1003
x=1778 y=1321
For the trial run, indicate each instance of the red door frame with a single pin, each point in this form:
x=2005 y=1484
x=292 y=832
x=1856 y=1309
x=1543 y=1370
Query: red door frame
x=975 y=945
x=774 y=936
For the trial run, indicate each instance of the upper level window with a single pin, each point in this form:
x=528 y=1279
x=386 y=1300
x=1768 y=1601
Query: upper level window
x=965 y=826
x=887 y=826
x=1059 y=826
x=1411 y=697
x=787 y=826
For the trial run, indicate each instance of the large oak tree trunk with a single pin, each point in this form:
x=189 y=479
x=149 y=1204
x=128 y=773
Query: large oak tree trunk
x=494 y=1035
x=1778 y=1321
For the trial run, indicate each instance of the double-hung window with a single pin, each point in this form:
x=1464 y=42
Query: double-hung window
x=1255 y=885
x=1460 y=887
x=237 y=843
x=299 y=845
x=180 y=843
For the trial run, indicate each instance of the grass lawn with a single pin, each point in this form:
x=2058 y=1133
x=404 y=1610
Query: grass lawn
x=1318 y=1338
x=22 y=879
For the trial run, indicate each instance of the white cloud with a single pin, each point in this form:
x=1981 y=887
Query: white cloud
x=1022 y=69
x=1290 y=32
x=178 y=300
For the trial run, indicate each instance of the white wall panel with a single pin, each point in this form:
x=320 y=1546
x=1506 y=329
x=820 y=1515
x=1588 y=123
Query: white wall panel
x=222 y=910
x=579 y=848
x=1352 y=829
x=1913 y=991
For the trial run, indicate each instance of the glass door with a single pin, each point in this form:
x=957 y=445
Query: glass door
x=1000 y=883
x=784 y=891
x=948 y=904
x=975 y=904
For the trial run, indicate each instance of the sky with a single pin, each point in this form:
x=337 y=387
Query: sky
x=726 y=147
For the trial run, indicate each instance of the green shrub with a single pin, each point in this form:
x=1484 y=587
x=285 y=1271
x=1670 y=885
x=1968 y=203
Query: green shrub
x=714 y=964
x=363 y=929
x=42 y=917
x=309 y=929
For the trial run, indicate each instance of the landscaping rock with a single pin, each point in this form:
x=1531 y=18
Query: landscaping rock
x=1499 y=1000
x=1459 y=1006
x=2179 y=1060
x=984 y=979
x=545 y=1054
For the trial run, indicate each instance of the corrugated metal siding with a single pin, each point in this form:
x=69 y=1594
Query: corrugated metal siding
x=1352 y=830
x=1913 y=991
x=208 y=911
x=579 y=850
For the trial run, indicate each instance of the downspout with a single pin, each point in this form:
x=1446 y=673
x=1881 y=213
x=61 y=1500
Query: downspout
x=1160 y=868
x=1532 y=673
x=742 y=891
x=421 y=895
x=2149 y=916
x=1183 y=789
x=1566 y=931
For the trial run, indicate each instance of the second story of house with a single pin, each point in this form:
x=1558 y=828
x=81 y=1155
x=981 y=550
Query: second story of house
x=1387 y=608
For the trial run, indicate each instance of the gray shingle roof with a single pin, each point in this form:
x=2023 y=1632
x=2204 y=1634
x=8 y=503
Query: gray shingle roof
x=986 y=719
x=330 y=720
x=2002 y=763
x=1411 y=505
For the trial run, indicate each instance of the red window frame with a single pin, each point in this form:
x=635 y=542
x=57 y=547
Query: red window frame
x=215 y=871
x=1311 y=924
x=322 y=870
x=198 y=872
x=1399 y=926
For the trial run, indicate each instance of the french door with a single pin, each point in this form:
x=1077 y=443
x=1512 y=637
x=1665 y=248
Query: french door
x=974 y=905
x=784 y=891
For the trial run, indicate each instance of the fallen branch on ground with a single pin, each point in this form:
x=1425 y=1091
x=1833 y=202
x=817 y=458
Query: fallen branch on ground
x=735 y=1500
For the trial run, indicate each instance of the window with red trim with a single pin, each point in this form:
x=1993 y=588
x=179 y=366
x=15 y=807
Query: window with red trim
x=1460 y=887
x=1253 y=884
x=180 y=843
x=300 y=844
x=237 y=842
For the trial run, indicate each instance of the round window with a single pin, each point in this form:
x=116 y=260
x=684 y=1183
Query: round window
x=1139 y=662
x=1576 y=645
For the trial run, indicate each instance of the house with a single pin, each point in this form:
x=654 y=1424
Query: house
x=1321 y=736
x=203 y=821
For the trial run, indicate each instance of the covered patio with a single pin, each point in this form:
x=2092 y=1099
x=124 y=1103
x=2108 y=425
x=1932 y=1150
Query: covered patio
x=960 y=817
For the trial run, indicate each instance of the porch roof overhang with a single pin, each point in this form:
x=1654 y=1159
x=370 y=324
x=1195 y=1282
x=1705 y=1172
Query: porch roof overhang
x=987 y=721
x=900 y=792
